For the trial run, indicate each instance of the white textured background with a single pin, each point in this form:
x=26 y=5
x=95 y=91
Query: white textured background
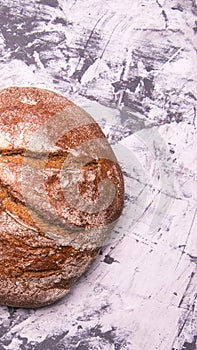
x=132 y=65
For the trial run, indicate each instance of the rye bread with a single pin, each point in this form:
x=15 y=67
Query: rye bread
x=61 y=192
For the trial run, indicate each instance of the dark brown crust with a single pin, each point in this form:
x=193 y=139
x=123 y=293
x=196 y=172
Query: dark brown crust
x=35 y=269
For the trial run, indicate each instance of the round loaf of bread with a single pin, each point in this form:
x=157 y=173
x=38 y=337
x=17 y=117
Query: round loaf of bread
x=61 y=194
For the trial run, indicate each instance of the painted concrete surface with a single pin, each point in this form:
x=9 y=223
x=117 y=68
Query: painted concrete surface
x=132 y=65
